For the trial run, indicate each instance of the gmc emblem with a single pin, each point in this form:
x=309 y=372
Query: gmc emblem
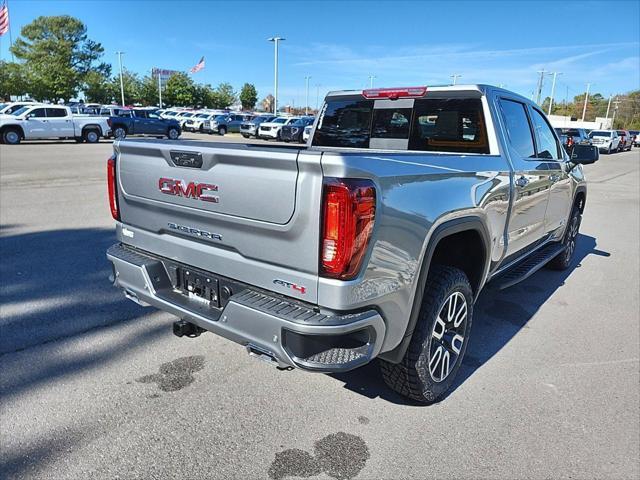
x=199 y=191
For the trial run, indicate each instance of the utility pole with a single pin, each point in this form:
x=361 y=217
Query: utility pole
x=121 y=81
x=276 y=41
x=539 y=88
x=306 y=103
x=615 y=110
x=586 y=100
x=608 y=107
x=371 y=78
x=553 y=89
x=455 y=77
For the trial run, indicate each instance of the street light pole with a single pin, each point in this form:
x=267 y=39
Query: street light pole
x=276 y=41
x=306 y=103
x=586 y=100
x=553 y=89
x=371 y=77
x=608 y=107
x=121 y=81
x=455 y=77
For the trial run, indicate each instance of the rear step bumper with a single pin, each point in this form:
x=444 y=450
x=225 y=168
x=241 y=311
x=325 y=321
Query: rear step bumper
x=273 y=328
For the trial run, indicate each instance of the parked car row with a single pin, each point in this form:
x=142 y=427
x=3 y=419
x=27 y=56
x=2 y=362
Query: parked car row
x=265 y=126
x=610 y=141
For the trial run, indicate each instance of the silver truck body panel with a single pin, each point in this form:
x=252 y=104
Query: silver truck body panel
x=269 y=213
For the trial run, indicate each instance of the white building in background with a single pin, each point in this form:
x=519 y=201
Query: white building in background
x=560 y=121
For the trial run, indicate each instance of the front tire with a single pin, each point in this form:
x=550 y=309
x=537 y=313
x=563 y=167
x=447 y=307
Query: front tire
x=119 y=133
x=222 y=131
x=11 y=136
x=564 y=260
x=438 y=344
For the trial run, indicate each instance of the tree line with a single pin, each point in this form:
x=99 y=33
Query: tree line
x=625 y=106
x=57 y=60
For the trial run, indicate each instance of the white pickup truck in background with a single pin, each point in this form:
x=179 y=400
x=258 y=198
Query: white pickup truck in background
x=40 y=121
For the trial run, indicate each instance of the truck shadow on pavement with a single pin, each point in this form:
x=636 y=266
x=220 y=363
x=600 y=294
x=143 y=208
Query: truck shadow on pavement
x=55 y=284
x=498 y=316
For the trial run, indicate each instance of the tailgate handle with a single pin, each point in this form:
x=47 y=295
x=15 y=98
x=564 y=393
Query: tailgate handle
x=187 y=159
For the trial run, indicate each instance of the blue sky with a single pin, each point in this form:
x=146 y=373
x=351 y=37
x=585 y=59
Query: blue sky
x=340 y=44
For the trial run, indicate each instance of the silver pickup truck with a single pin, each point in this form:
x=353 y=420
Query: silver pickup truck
x=373 y=241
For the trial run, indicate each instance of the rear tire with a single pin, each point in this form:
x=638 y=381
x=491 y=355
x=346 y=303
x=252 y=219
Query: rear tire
x=173 y=133
x=564 y=260
x=222 y=131
x=91 y=136
x=11 y=136
x=423 y=374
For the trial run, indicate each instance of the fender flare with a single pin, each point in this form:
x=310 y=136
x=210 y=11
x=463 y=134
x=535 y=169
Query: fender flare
x=445 y=229
x=580 y=189
x=92 y=126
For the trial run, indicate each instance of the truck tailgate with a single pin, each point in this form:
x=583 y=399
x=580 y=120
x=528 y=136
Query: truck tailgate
x=251 y=213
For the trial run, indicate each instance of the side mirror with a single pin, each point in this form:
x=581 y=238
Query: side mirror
x=584 y=154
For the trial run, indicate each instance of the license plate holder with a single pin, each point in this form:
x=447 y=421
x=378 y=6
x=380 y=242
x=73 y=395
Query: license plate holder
x=200 y=287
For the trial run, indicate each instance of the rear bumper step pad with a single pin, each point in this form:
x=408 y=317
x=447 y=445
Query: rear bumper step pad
x=290 y=333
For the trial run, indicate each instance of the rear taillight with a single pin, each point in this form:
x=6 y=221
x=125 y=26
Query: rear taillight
x=113 y=188
x=109 y=122
x=348 y=208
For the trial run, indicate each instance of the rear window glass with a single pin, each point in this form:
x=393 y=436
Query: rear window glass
x=598 y=133
x=442 y=125
x=344 y=123
x=391 y=123
x=449 y=125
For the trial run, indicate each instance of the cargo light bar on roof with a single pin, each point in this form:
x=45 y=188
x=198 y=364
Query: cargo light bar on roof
x=393 y=93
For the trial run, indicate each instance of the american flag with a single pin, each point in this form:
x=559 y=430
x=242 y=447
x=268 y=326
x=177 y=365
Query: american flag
x=198 y=66
x=4 y=19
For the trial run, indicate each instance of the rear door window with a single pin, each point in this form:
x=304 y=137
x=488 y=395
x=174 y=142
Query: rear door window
x=56 y=112
x=518 y=128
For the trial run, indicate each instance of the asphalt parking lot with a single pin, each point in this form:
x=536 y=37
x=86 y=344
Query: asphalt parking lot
x=549 y=388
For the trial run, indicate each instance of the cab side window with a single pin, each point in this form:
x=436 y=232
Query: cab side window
x=38 y=113
x=548 y=148
x=56 y=112
x=518 y=128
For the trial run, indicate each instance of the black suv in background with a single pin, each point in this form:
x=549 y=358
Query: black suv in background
x=293 y=131
x=573 y=136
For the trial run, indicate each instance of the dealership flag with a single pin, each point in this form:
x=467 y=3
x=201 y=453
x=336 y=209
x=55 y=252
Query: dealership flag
x=4 y=19
x=199 y=66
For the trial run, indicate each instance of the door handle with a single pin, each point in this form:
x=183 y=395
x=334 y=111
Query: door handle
x=522 y=181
